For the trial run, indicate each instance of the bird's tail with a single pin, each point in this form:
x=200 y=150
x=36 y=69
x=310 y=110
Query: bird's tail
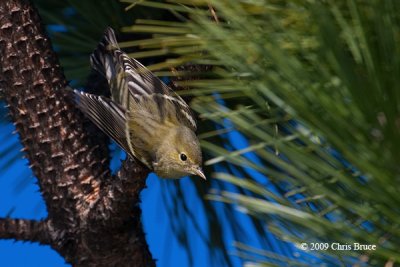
x=102 y=59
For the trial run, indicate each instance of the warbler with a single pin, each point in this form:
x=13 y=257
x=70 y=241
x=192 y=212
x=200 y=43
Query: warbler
x=144 y=116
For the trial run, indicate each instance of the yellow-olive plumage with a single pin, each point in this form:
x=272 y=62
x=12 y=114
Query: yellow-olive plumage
x=144 y=116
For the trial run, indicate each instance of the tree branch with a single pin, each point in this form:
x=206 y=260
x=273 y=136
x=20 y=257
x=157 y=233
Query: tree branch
x=25 y=230
x=91 y=220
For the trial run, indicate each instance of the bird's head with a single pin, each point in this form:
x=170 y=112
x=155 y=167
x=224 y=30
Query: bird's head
x=179 y=155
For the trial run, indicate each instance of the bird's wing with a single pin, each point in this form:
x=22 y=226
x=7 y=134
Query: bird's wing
x=142 y=83
x=109 y=116
x=128 y=76
x=168 y=108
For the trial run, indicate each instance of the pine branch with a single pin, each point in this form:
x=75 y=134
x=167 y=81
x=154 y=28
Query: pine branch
x=25 y=230
x=91 y=220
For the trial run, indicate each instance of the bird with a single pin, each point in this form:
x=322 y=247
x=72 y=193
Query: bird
x=144 y=116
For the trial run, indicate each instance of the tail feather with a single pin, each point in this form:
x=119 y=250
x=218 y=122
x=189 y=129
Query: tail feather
x=102 y=58
x=129 y=79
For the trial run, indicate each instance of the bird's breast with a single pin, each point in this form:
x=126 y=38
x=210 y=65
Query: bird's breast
x=146 y=134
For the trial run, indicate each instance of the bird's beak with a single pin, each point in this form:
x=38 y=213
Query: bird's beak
x=199 y=172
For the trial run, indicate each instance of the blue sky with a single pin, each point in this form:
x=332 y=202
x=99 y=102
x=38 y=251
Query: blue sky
x=20 y=198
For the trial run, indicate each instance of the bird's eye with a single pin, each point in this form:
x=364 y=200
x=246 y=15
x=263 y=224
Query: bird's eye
x=183 y=157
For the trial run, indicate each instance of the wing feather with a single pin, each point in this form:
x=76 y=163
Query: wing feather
x=109 y=116
x=128 y=79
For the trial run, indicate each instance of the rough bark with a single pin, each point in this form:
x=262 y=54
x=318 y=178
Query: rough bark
x=93 y=217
